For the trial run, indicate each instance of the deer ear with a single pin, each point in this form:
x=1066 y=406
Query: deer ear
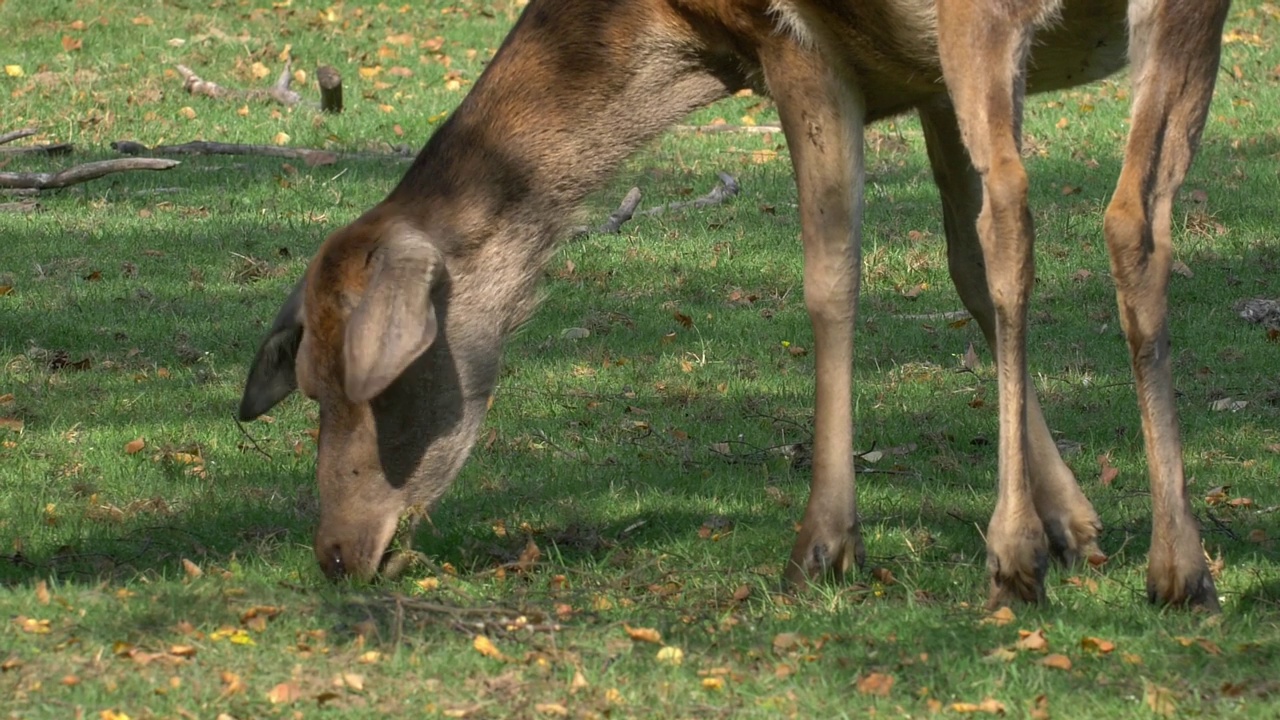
x=272 y=375
x=395 y=321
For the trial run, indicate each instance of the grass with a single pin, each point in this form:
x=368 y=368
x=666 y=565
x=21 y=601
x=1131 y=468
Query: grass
x=178 y=580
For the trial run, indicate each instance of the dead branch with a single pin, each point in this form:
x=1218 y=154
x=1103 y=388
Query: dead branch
x=17 y=135
x=279 y=92
x=54 y=149
x=745 y=129
x=201 y=147
x=725 y=189
x=81 y=173
x=330 y=89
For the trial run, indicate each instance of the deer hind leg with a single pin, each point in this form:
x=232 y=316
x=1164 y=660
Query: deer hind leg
x=1068 y=517
x=822 y=116
x=984 y=47
x=1174 y=48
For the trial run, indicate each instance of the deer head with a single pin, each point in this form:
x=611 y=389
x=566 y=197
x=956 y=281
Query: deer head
x=363 y=335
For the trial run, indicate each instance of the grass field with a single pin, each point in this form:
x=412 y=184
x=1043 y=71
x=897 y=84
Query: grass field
x=630 y=485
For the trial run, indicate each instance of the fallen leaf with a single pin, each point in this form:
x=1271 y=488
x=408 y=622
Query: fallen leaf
x=1056 y=661
x=1000 y=617
x=1159 y=699
x=42 y=592
x=528 y=557
x=990 y=706
x=70 y=44
x=1040 y=708
x=1229 y=405
x=10 y=663
x=284 y=693
x=14 y=424
x=670 y=655
x=783 y=642
x=1181 y=268
x=555 y=709
x=878 y=684
x=1032 y=641
x=353 y=681
x=133 y=447
x=648 y=635
x=1081 y=275
x=884 y=575
x=713 y=683
x=192 y=570
x=370 y=657
x=1097 y=645
x=485 y=647
x=1107 y=474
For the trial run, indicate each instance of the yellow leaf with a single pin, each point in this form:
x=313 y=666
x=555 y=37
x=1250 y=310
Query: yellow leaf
x=370 y=72
x=369 y=657
x=670 y=655
x=555 y=709
x=187 y=112
x=258 y=70
x=353 y=680
x=111 y=714
x=428 y=584
x=281 y=138
x=32 y=625
x=13 y=70
x=185 y=651
x=284 y=54
x=143 y=20
x=485 y=647
x=1057 y=661
x=713 y=683
x=240 y=637
x=648 y=635
x=614 y=697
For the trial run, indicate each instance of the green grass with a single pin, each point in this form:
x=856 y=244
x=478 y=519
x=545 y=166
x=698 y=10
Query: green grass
x=603 y=451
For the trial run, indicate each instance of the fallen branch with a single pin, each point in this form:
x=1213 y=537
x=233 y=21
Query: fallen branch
x=201 y=147
x=330 y=89
x=17 y=135
x=279 y=92
x=81 y=173
x=725 y=189
x=54 y=149
x=950 y=316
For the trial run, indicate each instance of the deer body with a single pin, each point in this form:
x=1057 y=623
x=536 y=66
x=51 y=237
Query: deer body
x=398 y=325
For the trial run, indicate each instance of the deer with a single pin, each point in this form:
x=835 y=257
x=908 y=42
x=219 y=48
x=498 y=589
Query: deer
x=397 y=327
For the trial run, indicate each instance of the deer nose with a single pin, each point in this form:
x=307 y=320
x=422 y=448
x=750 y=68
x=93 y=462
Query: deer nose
x=331 y=564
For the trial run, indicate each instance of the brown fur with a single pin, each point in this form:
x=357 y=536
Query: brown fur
x=450 y=260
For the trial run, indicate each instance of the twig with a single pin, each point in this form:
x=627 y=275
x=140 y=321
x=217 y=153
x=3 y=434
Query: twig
x=725 y=189
x=278 y=92
x=624 y=212
x=17 y=135
x=82 y=173
x=946 y=316
x=54 y=149
x=201 y=147
x=253 y=441
x=746 y=129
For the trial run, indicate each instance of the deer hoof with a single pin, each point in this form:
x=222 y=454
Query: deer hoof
x=1017 y=569
x=1181 y=580
x=814 y=558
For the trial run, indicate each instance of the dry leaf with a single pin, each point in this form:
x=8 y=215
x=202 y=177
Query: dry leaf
x=884 y=575
x=1107 y=474
x=1033 y=641
x=670 y=655
x=1159 y=699
x=133 y=447
x=1097 y=645
x=42 y=592
x=991 y=706
x=554 y=709
x=485 y=647
x=14 y=424
x=648 y=635
x=783 y=642
x=878 y=684
x=284 y=693
x=1056 y=661
x=528 y=557
x=713 y=683
x=1000 y=617
x=191 y=569
x=1040 y=708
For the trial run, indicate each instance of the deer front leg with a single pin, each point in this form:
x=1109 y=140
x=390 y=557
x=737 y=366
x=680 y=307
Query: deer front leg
x=1068 y=517
x=822 y=115
x=1174 y=47
x=984 y=48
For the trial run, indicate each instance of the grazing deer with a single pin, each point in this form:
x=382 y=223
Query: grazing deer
x=397 y=327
